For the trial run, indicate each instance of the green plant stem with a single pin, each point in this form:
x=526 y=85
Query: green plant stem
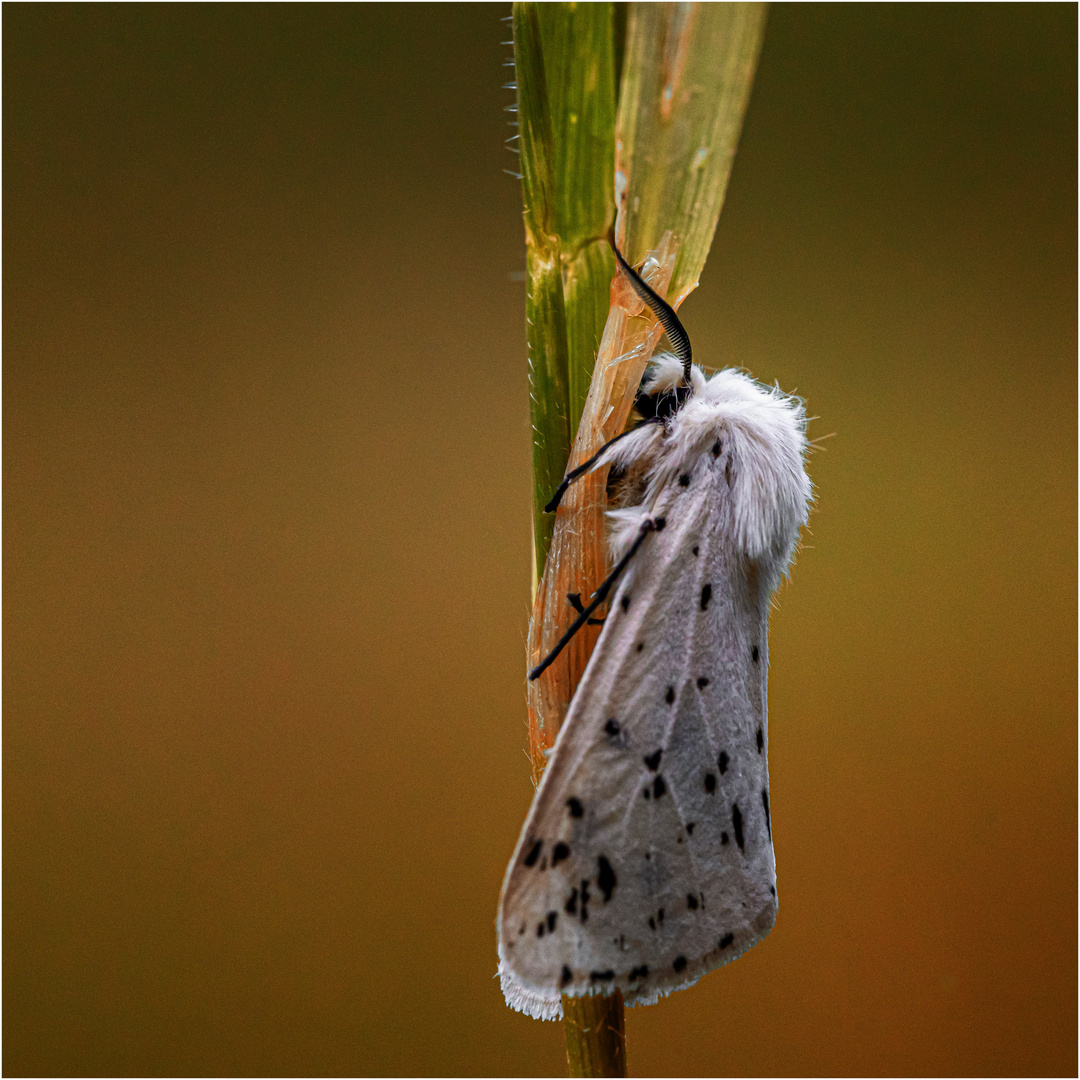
x=564 y=59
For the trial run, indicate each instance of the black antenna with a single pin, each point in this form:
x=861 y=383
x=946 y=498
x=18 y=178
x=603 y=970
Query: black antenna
x=664 y=312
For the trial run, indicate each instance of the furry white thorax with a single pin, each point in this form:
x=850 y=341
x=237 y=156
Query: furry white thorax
x=763 y=430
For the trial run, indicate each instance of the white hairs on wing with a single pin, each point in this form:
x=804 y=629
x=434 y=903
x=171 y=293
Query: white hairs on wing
x=624 y=526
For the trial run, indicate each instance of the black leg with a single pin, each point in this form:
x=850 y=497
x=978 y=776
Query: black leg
x=571 y=476
x=574 y=600
x=598 y=597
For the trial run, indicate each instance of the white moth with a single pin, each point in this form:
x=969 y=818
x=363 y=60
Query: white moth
x=646 y=859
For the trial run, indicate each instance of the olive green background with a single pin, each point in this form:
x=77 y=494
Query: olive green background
x=266 y=543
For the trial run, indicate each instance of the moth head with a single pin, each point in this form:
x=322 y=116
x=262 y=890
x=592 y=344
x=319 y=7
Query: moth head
x=664 y=389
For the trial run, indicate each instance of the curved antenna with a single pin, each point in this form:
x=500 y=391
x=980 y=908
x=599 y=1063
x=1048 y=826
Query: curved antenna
x=664 y=312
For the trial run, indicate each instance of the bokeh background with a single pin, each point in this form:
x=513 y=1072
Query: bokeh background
x=266 y=543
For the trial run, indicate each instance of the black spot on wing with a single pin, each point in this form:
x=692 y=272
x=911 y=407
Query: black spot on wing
x=567 y=976
x=659 y=523
x=638 y=973
x=765 y=803
x=646 y=793
x=726 y=940
x=562 y=851
x=640 y=646
x=612 y=728
x=760 y=740
x=540 y=928
x=570 y=907
x=706 y=595
x=684 y=480
x=690 y=828
x=702 y=682
x=584 y=901
x=658 y=787
x=669 y=697
x=680 y=963
x=695 y=549
x=710 y=783
x=534 y=853
x=754 y=654
x=653 y=760
x=723 y=838
x=605 y=878
x=722 y=761
x=718 y=448
x=602 y=976
x=624 y=603
x=736 y=821
x=551 y=917
x=574 y=806
x=691 y=901
x=652 y=923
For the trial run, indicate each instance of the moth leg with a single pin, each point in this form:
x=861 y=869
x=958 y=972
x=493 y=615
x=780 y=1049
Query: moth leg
x=571 y=476
x=574 y=600
x=598 y=597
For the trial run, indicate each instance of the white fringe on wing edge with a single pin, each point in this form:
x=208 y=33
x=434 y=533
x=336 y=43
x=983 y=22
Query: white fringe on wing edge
x=547 y=1004
x=534 y=1003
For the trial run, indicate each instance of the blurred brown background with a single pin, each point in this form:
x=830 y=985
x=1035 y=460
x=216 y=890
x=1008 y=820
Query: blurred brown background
x=266 y=543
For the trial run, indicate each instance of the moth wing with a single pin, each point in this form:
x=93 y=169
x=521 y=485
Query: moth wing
x=646 y=859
